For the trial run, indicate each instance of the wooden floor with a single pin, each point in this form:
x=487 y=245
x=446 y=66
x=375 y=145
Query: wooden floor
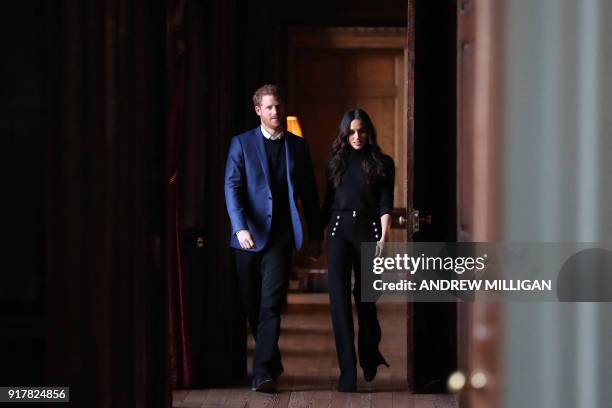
x=309 y=357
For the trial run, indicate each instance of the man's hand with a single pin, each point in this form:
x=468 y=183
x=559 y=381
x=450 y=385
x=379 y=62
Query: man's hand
x=245 y=239
x=314 y=250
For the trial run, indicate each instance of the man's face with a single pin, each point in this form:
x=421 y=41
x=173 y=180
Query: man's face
x=357 y=138
x=271 y=113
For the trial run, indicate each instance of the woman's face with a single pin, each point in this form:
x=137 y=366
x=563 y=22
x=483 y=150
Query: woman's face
x=358 y=138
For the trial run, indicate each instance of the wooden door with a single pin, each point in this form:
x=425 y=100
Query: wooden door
x=479 y=324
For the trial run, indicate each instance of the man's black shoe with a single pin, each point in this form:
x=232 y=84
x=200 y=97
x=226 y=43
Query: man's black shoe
x=263 y=384
x=347 y=388
x=347 y=382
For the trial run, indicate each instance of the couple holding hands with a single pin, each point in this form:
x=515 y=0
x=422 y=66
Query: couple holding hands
x=268 y=170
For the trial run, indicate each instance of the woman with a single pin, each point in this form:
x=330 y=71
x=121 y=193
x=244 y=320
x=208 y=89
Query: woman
x=357 y=208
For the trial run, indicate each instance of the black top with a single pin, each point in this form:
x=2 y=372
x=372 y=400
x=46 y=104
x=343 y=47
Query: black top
x=277 y=163
x=355 y=193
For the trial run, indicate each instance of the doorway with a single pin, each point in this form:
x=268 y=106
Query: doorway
x=331 y=70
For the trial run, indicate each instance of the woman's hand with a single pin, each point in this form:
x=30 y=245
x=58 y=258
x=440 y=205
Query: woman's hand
x=380 y=247
x=385 y=223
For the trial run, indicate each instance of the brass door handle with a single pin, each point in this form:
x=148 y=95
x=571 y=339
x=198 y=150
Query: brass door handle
x=402 y=221
x=416 y=220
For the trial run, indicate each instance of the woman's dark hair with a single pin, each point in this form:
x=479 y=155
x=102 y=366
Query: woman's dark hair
x=373 y=164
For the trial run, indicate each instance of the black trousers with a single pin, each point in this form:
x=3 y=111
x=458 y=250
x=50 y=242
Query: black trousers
x=346 y=231
x=263 y=279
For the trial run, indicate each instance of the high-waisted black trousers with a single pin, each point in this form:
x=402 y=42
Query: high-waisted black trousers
x=346 y=231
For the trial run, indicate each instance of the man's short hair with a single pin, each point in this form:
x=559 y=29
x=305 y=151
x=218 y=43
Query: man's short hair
x=267 y=89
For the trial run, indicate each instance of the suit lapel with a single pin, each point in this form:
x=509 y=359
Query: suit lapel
x=261 y=153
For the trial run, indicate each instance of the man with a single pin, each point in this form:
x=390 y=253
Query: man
x=268 y=169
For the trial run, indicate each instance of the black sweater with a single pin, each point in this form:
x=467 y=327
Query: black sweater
x=281 y=215
x=355 y=193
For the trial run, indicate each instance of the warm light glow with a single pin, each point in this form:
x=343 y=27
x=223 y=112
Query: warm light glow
x=293 y=126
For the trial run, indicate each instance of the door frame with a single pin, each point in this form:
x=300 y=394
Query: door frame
x=410 y=67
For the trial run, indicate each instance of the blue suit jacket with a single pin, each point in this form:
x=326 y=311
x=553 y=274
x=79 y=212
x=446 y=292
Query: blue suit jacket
x=248 y=194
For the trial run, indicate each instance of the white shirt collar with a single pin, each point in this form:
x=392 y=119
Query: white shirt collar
x=267 y=135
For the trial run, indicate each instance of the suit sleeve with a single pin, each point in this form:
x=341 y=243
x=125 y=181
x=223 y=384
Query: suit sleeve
x=235 y=186
x=310 y=199
x=387 y=187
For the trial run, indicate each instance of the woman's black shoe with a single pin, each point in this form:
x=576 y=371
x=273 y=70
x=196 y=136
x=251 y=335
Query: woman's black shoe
x=370 y=373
